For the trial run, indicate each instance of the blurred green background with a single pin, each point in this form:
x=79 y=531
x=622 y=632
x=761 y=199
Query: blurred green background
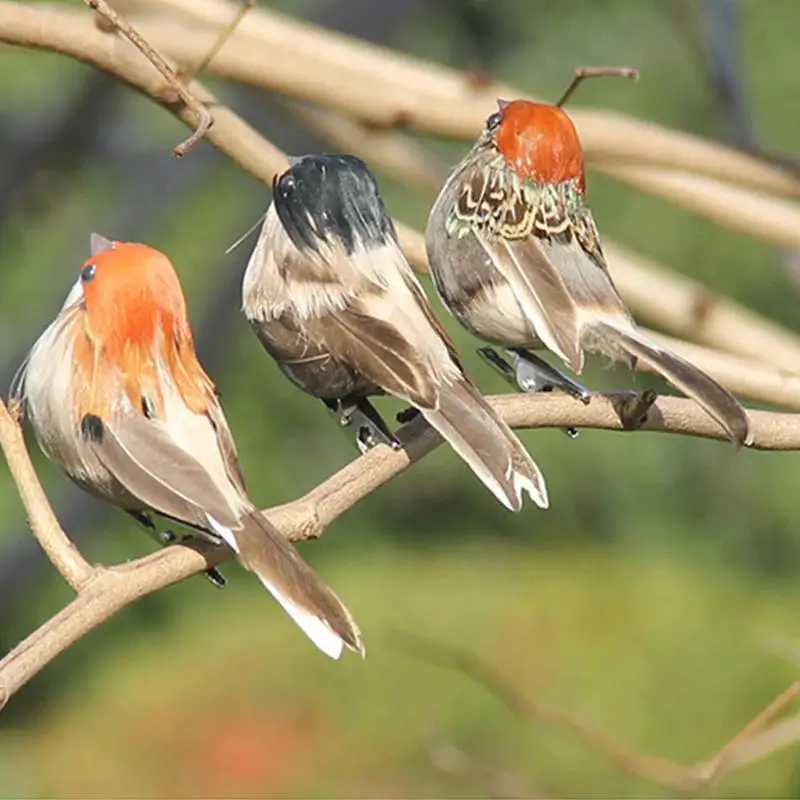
x=642 y=601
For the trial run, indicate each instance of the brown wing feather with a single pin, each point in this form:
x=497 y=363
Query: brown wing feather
x=378 y=350
x=145 y=460
x=227 y=446
x=541 y=293
x=435 y=324
x=584 y=274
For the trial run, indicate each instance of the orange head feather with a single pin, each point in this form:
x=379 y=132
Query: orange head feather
x=538 y=141
x=136 y=326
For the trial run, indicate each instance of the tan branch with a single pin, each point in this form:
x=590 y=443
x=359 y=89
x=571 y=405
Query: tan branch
x=672 y=301
x=65 y=557
x=109 y=589
x=70 y=34
x=686 y=308
x=384 y=88
x=387 y=89
x=768 y=218
x=203 y=117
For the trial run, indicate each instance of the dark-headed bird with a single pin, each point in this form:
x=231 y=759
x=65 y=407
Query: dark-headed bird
x=335 y=303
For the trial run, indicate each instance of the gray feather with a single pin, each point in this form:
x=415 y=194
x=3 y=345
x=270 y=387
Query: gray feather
x=717 y=401
x=143 y=458
x=493 y=452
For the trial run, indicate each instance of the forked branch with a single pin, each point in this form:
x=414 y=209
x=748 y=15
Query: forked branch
x=102 y=591
x=203 y=118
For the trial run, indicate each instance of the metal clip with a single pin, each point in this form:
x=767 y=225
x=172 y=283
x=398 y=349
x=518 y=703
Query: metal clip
x=361 y=415
x=531 y=374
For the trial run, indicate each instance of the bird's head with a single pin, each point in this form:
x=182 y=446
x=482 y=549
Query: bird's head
x=136 y=325
x=538 y=141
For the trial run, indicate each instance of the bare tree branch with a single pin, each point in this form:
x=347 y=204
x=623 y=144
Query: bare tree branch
x=75 y=570
x=105 y=590
x=386 y=90
x=689 y=308
x=204 y=120
x=225 y=34
x=383 y=89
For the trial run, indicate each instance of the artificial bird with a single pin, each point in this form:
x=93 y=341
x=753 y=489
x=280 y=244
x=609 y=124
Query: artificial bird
x=333 y=300
x=516 y=257
x=117 y=397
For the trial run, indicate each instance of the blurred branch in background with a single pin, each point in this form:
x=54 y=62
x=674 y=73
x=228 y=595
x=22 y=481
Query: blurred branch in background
x=661 y=296
x=384 y=89
x=241 y=142
x=714 y=34
x=693 y=779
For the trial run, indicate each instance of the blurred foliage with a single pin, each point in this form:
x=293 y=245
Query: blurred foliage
x=640 y=601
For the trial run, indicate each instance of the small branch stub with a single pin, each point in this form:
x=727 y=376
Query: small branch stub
x=204 y=119
x=582 y=73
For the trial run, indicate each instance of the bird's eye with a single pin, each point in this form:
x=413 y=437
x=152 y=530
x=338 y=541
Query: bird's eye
x=493 y=123
x=87 y=273
x=287 y=184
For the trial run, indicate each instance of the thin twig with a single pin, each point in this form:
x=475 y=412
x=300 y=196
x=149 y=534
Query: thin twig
x=189 y=75
x=723 y=761
x=386 y=90
x=658 y=770
x=690 y=309
x=584 y=73
x=203 y=117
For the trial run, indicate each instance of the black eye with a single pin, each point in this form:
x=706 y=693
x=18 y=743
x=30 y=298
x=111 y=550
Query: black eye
x=493 y=123
x=287 y=184
x=87 y=273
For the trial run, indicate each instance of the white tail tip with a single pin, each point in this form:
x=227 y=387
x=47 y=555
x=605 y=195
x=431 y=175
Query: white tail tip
x=323 y=636
x=537 y=493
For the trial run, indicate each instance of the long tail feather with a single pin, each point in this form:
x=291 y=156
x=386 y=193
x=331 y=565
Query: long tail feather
x=319 y=613
x=488 y=445
x=715 y=399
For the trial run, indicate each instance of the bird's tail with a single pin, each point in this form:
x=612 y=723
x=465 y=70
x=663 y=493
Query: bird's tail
x=300 y=591
x=715 y=399
x=488 y=445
